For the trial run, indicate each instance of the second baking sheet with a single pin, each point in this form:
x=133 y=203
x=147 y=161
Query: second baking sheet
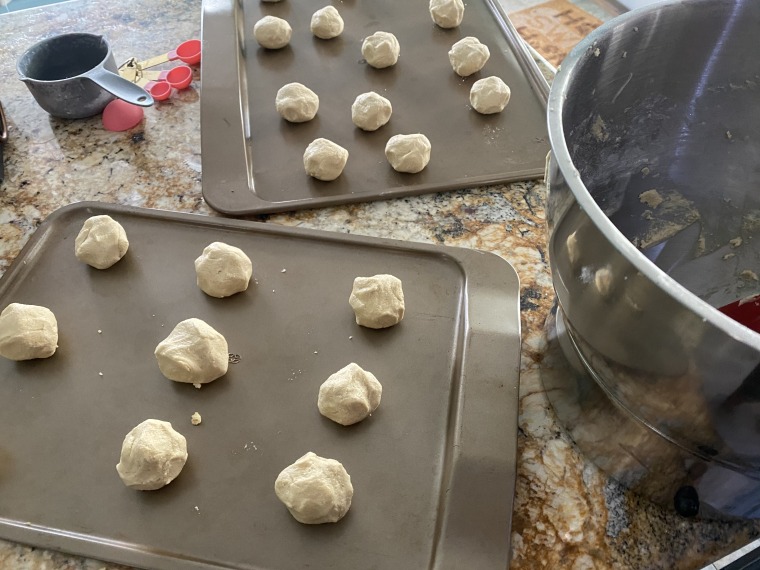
x=252 y=158
x=433 y=468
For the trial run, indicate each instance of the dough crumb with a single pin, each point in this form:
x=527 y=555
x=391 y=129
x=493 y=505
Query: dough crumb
x=597 y=52
x=749 y=274
x=350 y=395
x=377 y=301
x=736 y=242
x=603 y=281
x=196 y=420
x=283 y=271
x=100 y=331
x=27 y=332
x=152 y=455
x=315 y=489
x=645 y=171
x=101 y=242
x=100 y=374
x=729 y=256
x=651 y=198
x=197 y=385
x=729 y=136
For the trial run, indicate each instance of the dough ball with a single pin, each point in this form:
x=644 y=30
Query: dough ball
x=223 y=270
x=371 y=111
x=326 y=23
x=324 y=160
x=349 y=395
x=296 y=103
x=27 y=332
x=468 y=56
x=101 y=242
x=272 y=32
x=152 y=456
x=315 y=490
x=193 y=352
x=377 y=301
x=381 y=49
x=489 y=95
x=447 y=13
x=408 y=153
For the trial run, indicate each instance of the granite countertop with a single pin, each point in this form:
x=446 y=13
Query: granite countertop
x=567 y=513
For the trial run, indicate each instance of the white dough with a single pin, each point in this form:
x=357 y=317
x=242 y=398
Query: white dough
x=27 y=332
x=468 y=56
x=378 y=301
x=447 y=13
x=223 y=270
x=381 y=49
x=272 y=32
x=315 y=490
x=296 y=103
x=326 y=23
x=489 y=95
x=408 y=153
x=324 y=160
x=371 y=111
x=101 y=242
x=193 y=352
x=152 y=455
x=349 y=395
x=196 y=419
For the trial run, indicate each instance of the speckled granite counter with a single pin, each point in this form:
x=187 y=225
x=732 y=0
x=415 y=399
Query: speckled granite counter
x=567 y=513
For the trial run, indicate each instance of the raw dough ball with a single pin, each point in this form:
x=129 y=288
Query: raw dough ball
x=468 y=55
x=447 y=13
x=315 y=490
x=296 y=103
x=489 y=95
x=193 y=352
x=378 y=301
x=349 y=395
x=101 y=242
x=371 y=111
x=408 y=153
x=324 y=160
x=223 y=270
x=27 y=332
x=327 y=23
x=152 y=455
x=381 y=49
x=272 y=32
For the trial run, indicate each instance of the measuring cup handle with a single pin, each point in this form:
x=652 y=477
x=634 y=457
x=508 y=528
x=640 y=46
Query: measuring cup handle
x=120 y=87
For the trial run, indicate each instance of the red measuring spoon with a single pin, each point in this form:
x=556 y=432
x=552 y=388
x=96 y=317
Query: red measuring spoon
x=188 y=52
x=162 y=82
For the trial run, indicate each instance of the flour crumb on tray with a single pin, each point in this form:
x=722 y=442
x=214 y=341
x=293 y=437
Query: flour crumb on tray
x=196 y=419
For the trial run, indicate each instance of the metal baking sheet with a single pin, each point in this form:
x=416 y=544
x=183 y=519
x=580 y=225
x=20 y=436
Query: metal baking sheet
x=433 y=468
x=253 y=159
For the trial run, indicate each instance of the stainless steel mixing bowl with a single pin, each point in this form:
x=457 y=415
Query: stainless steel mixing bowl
x=653 y=216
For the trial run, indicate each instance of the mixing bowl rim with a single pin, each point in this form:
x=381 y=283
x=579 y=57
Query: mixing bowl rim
x=561 y=154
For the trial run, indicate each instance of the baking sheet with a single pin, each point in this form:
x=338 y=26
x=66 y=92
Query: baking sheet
x=433 y=468
x=253 y=159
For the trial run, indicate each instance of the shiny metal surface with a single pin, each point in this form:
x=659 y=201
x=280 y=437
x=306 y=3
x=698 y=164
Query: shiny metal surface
x=665 y=98
x=73 y=76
